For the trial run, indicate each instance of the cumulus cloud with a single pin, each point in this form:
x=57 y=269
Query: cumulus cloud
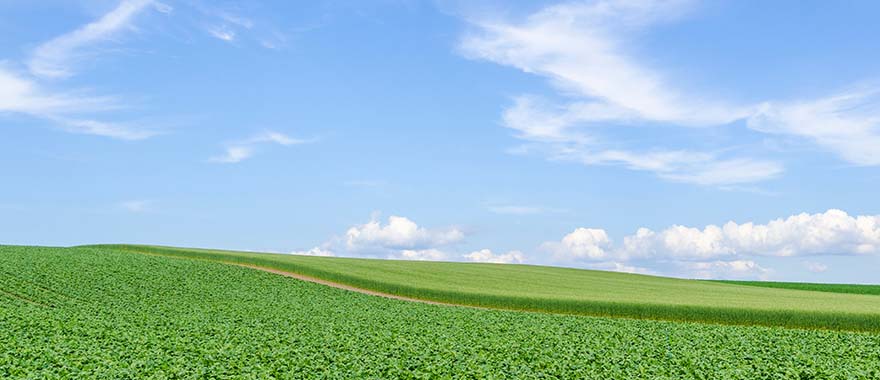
x=581 y=48
x=55 y=58
x=399 y=233
x=244 y=149
x=833 y=232
x=582 y=244
x=735 y=269
x=616 y=266
x=316 y=251
x=487 y=256
x=420 y=255
x=400 y=238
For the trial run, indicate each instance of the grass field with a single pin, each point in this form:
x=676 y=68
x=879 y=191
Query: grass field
x=97 y=313
x=831 y=288
x=572 y=291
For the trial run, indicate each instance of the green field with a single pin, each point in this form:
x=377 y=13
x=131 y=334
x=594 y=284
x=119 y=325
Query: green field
x=98 y=313
x=831 y=288
x=572 y=291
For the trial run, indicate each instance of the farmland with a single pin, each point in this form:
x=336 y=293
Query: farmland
x=831 y=288
x=571 y=291
x=108 y=313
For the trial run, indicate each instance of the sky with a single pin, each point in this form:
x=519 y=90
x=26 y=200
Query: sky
x=716 y=139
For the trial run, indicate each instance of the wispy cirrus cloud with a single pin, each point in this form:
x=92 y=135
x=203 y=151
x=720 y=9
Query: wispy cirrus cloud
x=241 y=150
x=238 y=21
x=222 y=33
x=580 y=47
x=68 y=111
x=846 y=123
x=73 y=110
x=57 y=57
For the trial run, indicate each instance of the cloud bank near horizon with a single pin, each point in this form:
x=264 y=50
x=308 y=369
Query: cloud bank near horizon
x=731 y=250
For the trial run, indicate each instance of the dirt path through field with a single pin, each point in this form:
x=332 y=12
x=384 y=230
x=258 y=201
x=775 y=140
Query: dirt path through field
x=315 y=280
x=344 y=286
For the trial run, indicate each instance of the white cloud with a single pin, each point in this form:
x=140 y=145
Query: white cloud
x=275 y=137
x=54 y=59
x=234 y=24
x=25 y=96
x=244 y=149
x=833 y=232
x=399 y=239
x=222 y=33
x=101 y=128
x=578 y=47
x=552 y=132
x=581 y=48
x=316 y=251
x=847 y=124
x=616 y=266
x=487 y=256
x=420 y=255
x=399 y=233
x=736 y=269
x=233 y=154
x=19 y=94
x=582 y=244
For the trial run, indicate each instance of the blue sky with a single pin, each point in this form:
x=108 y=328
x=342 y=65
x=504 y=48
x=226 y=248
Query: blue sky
x=697 y=139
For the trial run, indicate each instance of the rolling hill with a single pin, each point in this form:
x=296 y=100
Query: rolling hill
x=101 y=312
x=568 y=291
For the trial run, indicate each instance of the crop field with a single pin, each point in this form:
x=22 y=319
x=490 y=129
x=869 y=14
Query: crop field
x=831 y=288
x=107 y=313
x=572 y=291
